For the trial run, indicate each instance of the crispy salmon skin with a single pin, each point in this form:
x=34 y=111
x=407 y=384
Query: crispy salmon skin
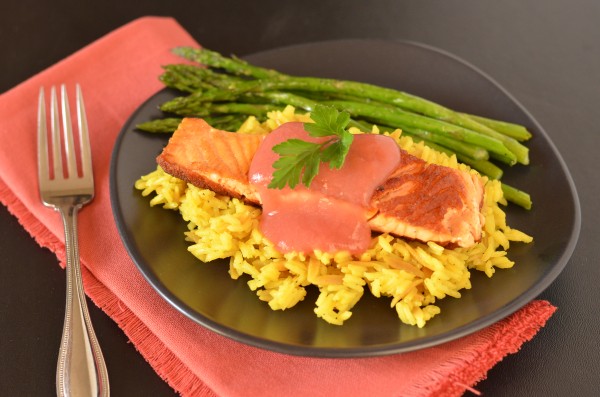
x=418 y=200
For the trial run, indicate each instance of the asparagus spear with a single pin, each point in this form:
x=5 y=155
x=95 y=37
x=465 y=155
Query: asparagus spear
x=187 y=78
x=483 y=166
x=286 y=98
x=472 y=151
x=166 y=125
x=191 y=78
x=515 y=131
x=516 y=196
x=215 y=60
x=207 y=109
x=227 y=122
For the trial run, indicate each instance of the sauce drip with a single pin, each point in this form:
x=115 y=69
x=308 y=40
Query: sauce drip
x=331 y=215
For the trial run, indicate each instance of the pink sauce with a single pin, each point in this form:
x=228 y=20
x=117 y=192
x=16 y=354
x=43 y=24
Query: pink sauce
x=330 y=215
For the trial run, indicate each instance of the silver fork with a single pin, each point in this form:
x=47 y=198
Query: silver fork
x=81 y=370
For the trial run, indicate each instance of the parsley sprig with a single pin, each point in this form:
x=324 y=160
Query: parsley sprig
x=300 y=160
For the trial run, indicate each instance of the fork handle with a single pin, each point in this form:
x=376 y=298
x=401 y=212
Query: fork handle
x=81 y=370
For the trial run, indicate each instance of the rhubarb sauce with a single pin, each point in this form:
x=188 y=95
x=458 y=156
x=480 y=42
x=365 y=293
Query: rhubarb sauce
x=331 y=215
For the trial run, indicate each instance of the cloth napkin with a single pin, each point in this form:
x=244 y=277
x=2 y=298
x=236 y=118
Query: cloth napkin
x=117 y=73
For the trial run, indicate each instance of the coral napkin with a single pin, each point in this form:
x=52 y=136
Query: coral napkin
x=117 y=73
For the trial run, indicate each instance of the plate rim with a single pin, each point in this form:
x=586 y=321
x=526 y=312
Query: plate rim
x=370 y=351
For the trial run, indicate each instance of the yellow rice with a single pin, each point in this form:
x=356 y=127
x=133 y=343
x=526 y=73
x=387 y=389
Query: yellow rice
x=412 y=275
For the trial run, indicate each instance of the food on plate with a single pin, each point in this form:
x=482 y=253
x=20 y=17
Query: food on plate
x=215 y=198
x=417 y=227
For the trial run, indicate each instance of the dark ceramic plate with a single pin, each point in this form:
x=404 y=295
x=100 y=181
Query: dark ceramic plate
x=206 y=294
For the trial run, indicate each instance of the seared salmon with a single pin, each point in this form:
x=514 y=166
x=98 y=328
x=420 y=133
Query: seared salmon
x=418 y=200
x=429 y=202
x=211 y=158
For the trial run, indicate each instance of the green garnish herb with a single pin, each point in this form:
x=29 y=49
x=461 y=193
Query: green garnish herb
x=300 y=160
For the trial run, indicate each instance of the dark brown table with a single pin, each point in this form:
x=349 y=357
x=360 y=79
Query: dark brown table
x=547 y=54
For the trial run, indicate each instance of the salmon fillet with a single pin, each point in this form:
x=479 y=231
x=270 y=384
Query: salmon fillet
x=419 y=200
x=211 y=158
x=429 y=202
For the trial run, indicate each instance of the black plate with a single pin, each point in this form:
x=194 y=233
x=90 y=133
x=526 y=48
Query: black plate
x=206 y=294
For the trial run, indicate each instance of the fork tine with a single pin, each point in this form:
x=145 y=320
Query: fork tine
x=68 y=133
x=43 y=165
x=55 y=130
x=84 y=139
